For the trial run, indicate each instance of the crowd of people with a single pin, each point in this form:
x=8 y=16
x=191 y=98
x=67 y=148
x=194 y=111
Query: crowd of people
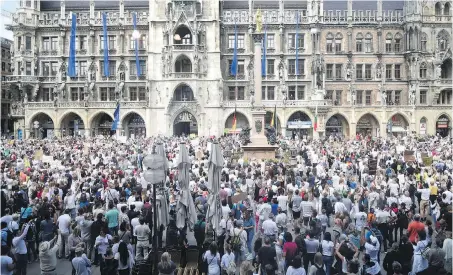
x=359 y=206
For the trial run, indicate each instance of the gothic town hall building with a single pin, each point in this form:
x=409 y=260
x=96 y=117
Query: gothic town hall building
x=385 y=67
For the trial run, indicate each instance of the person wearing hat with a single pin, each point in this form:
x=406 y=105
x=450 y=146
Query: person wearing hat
x=48 y=255
x=80 y=262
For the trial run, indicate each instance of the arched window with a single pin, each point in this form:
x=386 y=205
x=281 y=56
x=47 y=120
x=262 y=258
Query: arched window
x=388 y=42
x=397 y=42
x=446 y=69
x=183 y=93
x=183 y=65
x=182 y=36
x=423 y=41
x=359 y=42
x=368 y=43
x=338 y=42
x=438 y=8
x=329 y=43
x=423 y=70
x=447 y=8
x=442 y=40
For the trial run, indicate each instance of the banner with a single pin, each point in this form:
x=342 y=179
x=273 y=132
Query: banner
x=409 y=156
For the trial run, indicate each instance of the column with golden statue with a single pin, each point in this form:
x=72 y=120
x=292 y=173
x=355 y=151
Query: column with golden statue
x=259 y=147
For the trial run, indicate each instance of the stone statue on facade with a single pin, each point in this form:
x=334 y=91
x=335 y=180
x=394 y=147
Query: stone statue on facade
x=25 y=97
x=379 y=70
x=384 y=97
x=349 y=70
x=438 y=71
x=55 y=95
x=412 y=97
x=281 y=71
x=259 y=21
x=319 y=72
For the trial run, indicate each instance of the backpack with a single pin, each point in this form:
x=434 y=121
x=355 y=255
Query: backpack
x=236 y=243
x=316 y=192
x=327 y=205
x=231 y=268
x=320 y=271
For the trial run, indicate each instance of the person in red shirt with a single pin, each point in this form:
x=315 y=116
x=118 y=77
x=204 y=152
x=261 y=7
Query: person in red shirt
x=289 y=249
x=415 y=227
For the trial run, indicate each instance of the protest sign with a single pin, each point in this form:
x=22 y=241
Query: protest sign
x=409 y=156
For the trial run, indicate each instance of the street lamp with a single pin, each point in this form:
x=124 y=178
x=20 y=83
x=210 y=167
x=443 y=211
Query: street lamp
x=154 y=174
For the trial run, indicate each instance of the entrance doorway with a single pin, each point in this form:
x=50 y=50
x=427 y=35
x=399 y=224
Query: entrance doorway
x=368 y=126
x=102 y=125
x=185 y=124
x=443 y=126
x=42 y=126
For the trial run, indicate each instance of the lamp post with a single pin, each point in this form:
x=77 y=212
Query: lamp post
x=154 y=174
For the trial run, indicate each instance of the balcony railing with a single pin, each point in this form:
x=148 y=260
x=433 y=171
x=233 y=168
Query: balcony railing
x=437 y=18
x=40 y=105
x=134 y=104
x=183 y=47
x=22 y=78
x=184 y=75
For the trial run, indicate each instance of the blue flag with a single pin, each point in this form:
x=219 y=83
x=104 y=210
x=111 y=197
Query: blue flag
x=234 y=63
x=106 y=46
x=263 y=62
x=72 y=48
x=116 y=117
x=137 y=61
x=297 y=42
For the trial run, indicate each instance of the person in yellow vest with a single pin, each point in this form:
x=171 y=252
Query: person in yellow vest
x=433 y=191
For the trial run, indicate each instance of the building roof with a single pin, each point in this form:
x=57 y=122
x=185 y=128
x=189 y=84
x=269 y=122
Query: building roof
x=6 y=42
x=264 y=4
x=328 y=4
x=53 y=5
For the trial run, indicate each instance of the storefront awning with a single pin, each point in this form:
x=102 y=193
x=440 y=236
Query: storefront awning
x=398 y=129
x=231 y=131
x=299 y=125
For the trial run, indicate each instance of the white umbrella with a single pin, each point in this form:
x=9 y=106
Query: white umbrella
x=215 y=163
x=185 y=209
x=163 y=214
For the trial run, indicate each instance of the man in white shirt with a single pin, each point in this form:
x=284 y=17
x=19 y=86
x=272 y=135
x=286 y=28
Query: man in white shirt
x=382 y=219
x=280 y=220
x=142 y=232
x=424 y=203
x=64 y=223
x=360 y=218
x=70 y=203
x=283 y=202
x=21 y=251
x=270 y=228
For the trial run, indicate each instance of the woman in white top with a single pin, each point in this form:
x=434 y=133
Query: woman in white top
x=125 y=259
x=327 y=250
x=212 y=258
x=227 y=258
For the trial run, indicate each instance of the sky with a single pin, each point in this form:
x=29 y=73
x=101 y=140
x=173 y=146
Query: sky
x=7 y=6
